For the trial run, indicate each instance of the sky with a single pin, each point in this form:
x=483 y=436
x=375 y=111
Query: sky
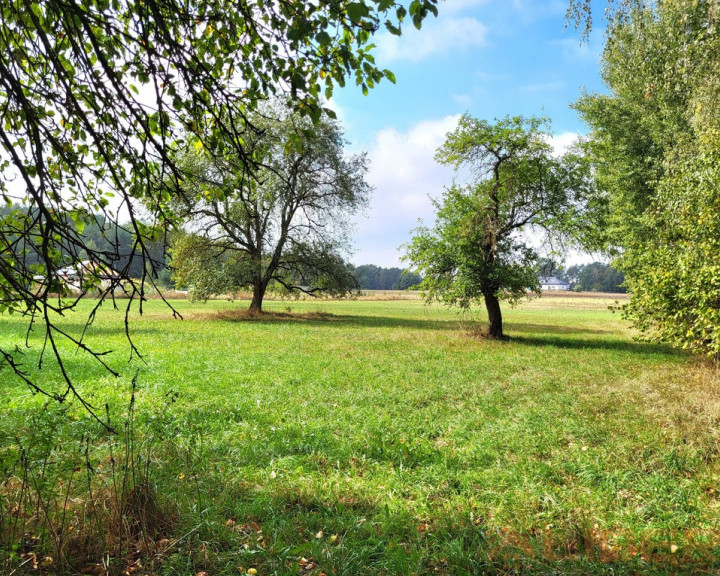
x=488 y=58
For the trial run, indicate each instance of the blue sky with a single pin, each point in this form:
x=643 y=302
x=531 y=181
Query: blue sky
x=490 y=58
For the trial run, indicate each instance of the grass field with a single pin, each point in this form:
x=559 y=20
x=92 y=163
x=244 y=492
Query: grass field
x=369 y=437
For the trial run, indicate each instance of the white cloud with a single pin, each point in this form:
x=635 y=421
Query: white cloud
x=405 y=175
x=446 y=34
x=562 y=142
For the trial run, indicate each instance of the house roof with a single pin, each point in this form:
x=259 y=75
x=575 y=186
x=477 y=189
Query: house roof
x=551 y=281
x=87 y=266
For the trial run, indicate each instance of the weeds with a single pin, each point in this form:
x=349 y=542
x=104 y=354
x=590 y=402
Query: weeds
x=76 y=497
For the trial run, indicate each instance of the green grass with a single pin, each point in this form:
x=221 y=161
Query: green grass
x=386 y=437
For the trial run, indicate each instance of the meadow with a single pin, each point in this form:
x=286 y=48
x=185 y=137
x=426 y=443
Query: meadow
x=363 y=436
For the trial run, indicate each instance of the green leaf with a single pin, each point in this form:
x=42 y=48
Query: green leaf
x=323 y=38
x=394 y=30
x=356 y=11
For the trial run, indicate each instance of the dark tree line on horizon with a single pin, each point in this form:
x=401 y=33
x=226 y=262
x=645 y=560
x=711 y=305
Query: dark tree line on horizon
x=371 y=277
x=591 y=277
x=594 y=277
x=104 y=235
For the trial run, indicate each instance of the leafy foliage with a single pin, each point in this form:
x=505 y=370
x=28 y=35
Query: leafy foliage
x=95 y=94
x=283 y=227
x=582 y=14
x=475 y=250
x=654 y=144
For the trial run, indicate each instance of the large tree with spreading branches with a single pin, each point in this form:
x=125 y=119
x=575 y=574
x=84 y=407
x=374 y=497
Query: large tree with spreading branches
x=286 y=227
x=476 y=251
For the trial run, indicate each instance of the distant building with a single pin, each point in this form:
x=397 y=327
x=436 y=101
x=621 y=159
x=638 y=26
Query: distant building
x=73 y=276
x=552 y=283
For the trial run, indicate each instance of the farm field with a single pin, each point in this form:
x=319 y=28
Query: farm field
x=367 y=437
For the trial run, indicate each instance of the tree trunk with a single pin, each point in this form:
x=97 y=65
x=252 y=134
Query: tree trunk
x=492 y=304
x=258 y=295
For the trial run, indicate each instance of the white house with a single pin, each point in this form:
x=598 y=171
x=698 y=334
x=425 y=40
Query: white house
x=552 y=283
x=72 y=276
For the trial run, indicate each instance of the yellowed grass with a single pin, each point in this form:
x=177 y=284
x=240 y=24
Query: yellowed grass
x=574 y=300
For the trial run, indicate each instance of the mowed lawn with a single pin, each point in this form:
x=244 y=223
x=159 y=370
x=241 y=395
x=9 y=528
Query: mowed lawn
x=387 y=437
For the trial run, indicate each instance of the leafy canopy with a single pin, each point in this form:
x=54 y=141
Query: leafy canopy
x=654 y=147
x=477 y=249
x=283 y=228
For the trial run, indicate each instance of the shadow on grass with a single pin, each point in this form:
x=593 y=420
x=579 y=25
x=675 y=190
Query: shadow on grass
x=555 y=341
x=529 y=334
x=325 y=319
x=528 y=327
x=520 y=333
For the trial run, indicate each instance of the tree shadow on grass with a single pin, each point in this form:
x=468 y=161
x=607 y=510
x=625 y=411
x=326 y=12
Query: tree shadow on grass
x=327 y=319
x=528 y=327
x=520 y=333
x=530 y=334
x=616 y=345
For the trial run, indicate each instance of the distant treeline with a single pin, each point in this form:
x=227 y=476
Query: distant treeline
x=371 y=277
x=117 y=243
x=595 y=277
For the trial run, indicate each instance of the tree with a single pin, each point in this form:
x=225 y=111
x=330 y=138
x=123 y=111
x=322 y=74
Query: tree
x=406 y=281
x=476 y=250
x=367 y=276
x=654 y=146
x=284 y=227
x=548 y=267
x=95 y=94
x=594 y=277
x=371 y=277
x=581 y=13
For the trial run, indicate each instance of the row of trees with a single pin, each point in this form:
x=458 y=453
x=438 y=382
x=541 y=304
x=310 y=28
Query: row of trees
x=371 y=277
x=226 y=275
x=593 y=277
